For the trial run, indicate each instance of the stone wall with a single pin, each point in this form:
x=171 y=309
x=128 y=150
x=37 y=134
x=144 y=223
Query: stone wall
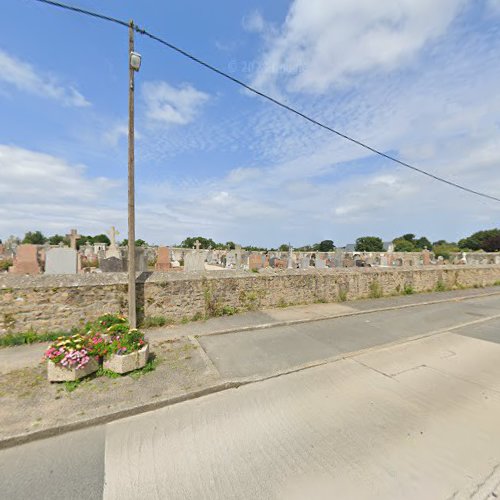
x=46 y=303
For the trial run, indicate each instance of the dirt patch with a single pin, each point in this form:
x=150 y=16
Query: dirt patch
x=28 y=402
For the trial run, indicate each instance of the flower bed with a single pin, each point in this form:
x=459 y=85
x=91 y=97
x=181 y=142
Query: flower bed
x=124 y=363
x=127 y=350
x=109 y=339
x=70 y=358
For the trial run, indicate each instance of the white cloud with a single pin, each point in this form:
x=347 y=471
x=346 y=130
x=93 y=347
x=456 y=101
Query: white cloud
x=26 y=78
x=169 y=104
x=323 y=43
x=114 y=133
x=41 y=191
x=254 y=22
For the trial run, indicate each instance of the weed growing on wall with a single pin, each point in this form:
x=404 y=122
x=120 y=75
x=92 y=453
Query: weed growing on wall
x=375 y=290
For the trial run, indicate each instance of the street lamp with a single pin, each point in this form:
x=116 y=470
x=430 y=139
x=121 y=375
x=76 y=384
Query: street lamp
x=134 y=65
x=135 y=61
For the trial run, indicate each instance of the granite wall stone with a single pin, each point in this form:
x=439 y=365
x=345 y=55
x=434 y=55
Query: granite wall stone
x=47 y=303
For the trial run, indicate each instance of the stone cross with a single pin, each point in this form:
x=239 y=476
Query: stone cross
x=73 y=236
x=112 y=235
x=197 y=244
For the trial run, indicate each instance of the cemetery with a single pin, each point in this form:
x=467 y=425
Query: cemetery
x=60 y=302
x=57 y=287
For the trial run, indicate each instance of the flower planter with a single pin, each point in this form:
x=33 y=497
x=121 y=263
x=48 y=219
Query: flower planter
x=125 y=363
x=56 y=373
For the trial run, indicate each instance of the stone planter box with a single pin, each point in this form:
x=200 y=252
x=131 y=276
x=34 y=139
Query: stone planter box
x=56 y=373
x=128 y=362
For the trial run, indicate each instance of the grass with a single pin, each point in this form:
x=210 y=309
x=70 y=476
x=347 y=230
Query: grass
x=156 y=321
x=30 y=337
x=72 y=385
x=342 y=295
x=440 y=287
x=408 y=290
x=150 y=366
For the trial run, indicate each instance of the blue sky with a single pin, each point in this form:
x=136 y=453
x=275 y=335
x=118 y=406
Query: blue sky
x=418 y=80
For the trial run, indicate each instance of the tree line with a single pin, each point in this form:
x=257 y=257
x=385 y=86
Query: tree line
x=487 y=240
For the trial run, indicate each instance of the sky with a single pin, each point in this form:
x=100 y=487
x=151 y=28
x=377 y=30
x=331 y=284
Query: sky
x=417 y=80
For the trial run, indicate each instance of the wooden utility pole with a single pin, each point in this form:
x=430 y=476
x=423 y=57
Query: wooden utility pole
x=132 y=310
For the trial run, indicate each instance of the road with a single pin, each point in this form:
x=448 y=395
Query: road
x=412 y=419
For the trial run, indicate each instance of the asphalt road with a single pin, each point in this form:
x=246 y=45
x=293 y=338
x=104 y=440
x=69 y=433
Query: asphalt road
x=265 y=352
x=414 y=420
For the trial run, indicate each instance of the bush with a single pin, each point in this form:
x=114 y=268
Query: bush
x=5 y=264
x=102 y=323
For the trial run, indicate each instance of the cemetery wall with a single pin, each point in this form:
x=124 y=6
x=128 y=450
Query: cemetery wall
x=48 y=303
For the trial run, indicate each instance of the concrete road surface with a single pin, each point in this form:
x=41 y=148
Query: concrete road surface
x=415 y=420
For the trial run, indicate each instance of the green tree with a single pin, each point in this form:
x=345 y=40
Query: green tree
x=440 y=242
x=231 y=245
x=403 y=245
x=284 y=247
x=408 y=237
x=326 y=246
x=190 y=242
x=100 y=238
x=56 y=239
x=138 y=243
x=477 y=241
x=35 y=238
x=423 y=242
x=369 y=244
x=444 y=250
x=255 y=249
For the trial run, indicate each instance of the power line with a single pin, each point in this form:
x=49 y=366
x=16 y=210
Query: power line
x=265 y=96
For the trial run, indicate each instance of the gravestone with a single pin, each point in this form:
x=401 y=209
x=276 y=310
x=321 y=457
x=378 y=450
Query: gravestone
x=113 y=250
x=304 y=263
x=61 y=261
x=338 y=258
x=141 y=261
x=237 y=254
x=194 y=262
x=73 y=237
x=320 y=264
x=26 y=260
x=289 y=263
x=280 y=263
x=348 y=260
x=111 y=265
x=163 y=259
x=426 y=257
x=230 y=260
x=255 y=261
x=383 y=260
